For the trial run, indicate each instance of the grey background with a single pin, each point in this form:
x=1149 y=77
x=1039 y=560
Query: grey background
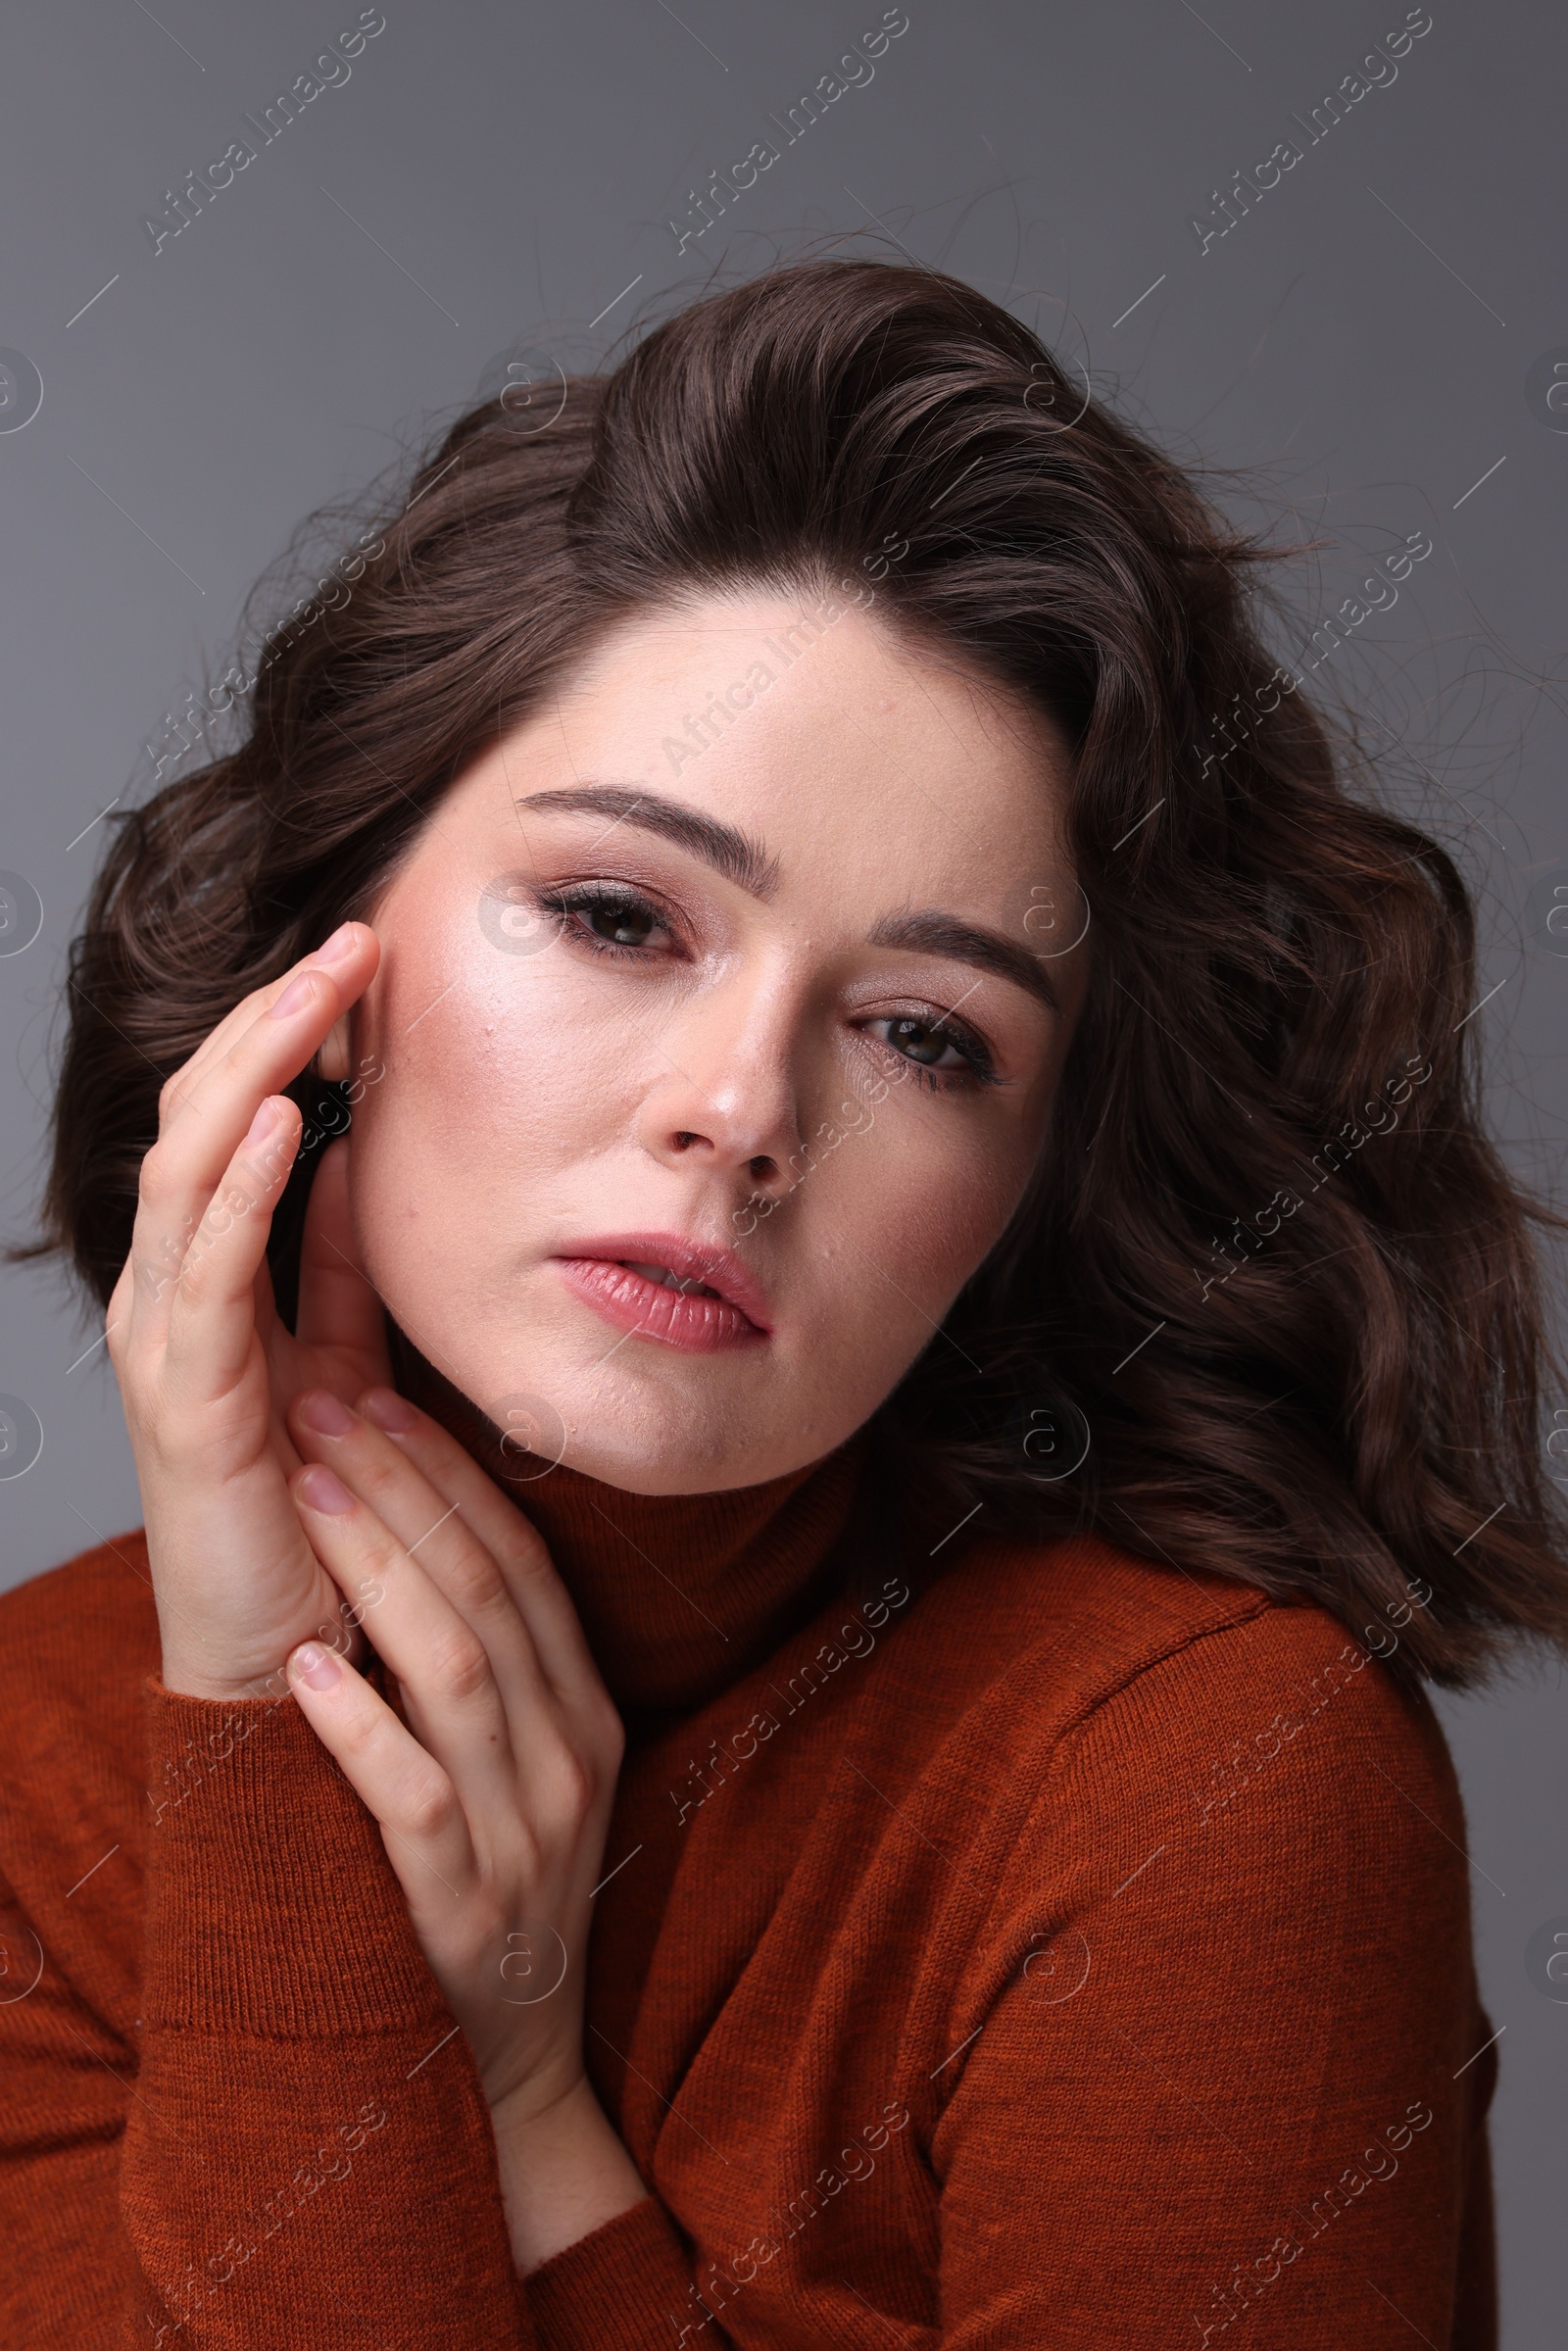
x=1355 y=351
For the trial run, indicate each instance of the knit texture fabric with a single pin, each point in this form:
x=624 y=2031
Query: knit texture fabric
x=1042 y=1948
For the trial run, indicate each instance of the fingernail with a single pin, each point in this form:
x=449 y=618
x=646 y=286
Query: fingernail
x=263 y=1122
x=296 y=995
x=319 y=1490
x=333 y=950
x=322 y=1411
x=388 y=1410
x=312 y=1664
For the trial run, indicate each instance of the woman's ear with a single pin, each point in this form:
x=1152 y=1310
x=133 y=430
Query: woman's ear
x=332 y=1060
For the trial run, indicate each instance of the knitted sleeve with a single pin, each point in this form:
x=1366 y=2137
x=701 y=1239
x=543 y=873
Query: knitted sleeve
x=294 y=2148
x=307 y=2156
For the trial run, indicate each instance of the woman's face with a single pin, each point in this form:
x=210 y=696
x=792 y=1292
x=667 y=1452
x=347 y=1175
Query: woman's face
x=717 y=1054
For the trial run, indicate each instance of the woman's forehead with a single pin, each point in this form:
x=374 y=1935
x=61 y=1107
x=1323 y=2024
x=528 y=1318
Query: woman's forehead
x=834 y=750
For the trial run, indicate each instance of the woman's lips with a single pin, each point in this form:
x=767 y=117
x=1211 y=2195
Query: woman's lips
x=663 y=1288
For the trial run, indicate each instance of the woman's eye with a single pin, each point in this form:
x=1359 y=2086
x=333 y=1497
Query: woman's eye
x=620 y=925
x=617 y=921
x=926 y=1043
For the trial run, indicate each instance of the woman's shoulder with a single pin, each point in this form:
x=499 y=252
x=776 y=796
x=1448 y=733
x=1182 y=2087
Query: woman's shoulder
x=1167 y=1761
x=1140 y=1675
x=76 y=1644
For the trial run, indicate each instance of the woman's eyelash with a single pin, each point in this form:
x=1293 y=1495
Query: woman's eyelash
x=944 y=1031
x=626 y=909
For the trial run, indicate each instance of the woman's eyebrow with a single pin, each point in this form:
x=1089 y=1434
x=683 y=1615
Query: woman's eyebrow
x=934 y=933
x=738 y=856
x=745 y=860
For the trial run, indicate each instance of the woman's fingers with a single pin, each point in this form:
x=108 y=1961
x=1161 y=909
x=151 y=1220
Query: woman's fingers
x=350 y=943
x=208 y=1107
x=451 y=1670
x=210 y=1325
x=429 y=1526
x=410 y=1793
x=516 y=1547
x=401 y=1517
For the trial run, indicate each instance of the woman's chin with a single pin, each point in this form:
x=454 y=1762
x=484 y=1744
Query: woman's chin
x=675 y=1459
x=651 y=1419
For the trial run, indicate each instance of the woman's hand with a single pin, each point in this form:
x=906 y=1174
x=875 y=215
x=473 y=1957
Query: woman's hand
x=206 y=1366
x=494 y=1787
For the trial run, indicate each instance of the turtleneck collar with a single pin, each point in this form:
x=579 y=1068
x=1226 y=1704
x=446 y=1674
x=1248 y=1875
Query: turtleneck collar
x=679 y=1594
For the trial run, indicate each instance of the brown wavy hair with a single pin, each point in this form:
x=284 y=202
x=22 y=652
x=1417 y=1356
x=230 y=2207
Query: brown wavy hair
x=1271 y=1307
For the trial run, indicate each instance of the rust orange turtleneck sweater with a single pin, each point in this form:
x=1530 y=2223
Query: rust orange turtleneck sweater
x=1042 y=1948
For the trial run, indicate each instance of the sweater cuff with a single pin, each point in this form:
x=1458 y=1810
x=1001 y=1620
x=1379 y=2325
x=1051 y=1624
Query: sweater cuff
x=271 y=1906
x=628 y=2282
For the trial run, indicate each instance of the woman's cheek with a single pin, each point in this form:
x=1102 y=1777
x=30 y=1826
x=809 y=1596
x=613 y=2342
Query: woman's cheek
x=901 y=1218
x=554 y=1048
x=493 y=1079
x=923 y=1196
x=523 y=1027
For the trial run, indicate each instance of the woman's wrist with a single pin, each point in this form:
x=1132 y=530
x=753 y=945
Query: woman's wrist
x=564 y=2171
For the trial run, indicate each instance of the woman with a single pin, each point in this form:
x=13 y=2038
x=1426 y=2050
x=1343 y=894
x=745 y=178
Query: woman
x=782 y=1678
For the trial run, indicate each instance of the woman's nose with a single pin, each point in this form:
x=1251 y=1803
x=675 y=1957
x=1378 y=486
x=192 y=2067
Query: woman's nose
x=725 y=1095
